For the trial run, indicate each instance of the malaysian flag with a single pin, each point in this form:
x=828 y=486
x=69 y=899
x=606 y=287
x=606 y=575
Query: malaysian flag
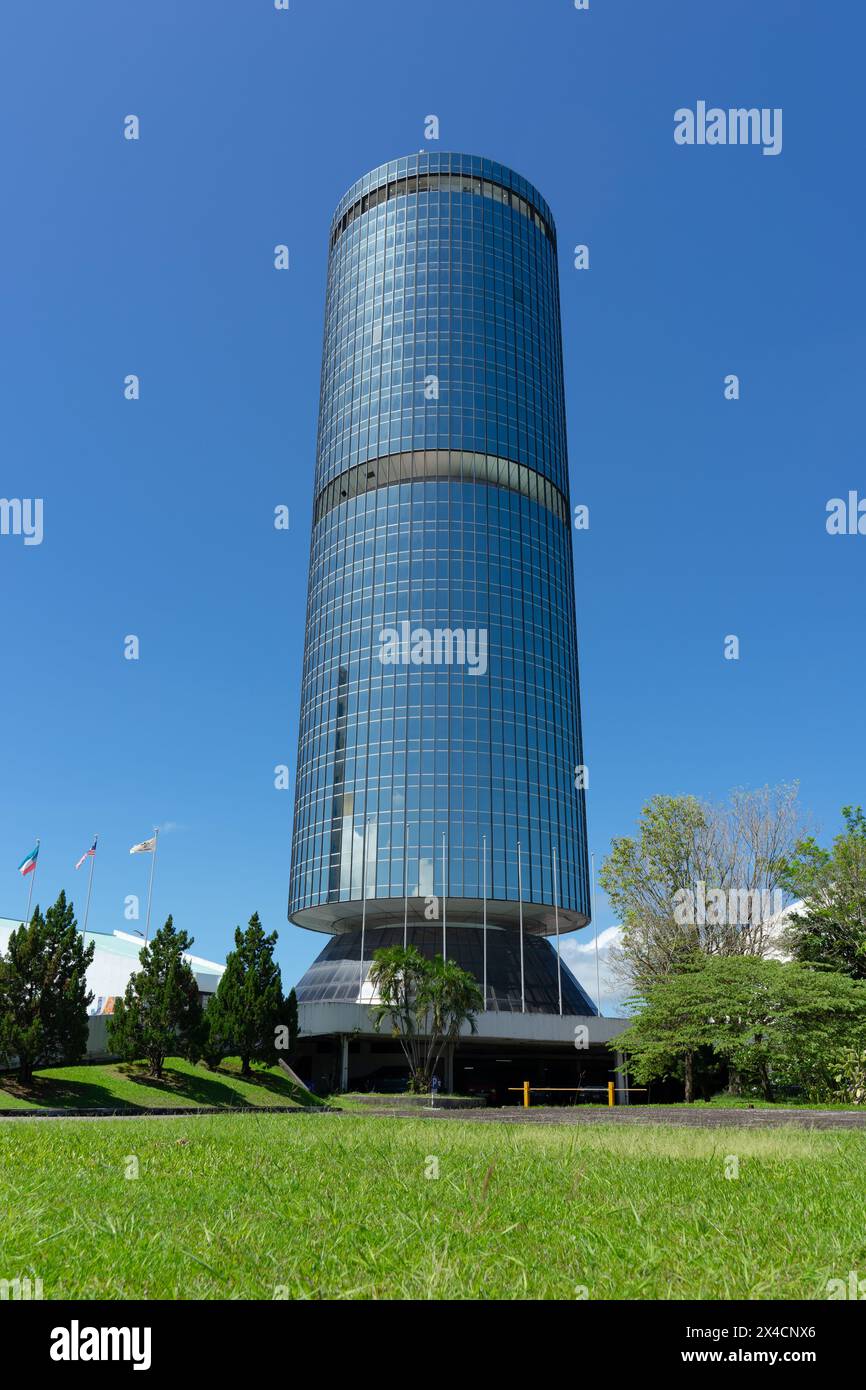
x=88 y=854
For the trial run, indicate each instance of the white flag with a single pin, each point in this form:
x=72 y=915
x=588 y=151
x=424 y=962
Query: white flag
x=146 y=847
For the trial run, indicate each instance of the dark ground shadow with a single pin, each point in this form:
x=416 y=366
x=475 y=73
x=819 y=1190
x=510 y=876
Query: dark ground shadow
x=279 y=1086
x=197 y=1088
x=80 y=1095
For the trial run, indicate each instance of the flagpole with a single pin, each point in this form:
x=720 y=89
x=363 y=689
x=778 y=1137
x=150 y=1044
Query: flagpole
x=89 y=885
x=556 y=913
x=484 y=863
x=363 y=917
x=150 y=883
x=32 y=880
x=592 y=910
x=444 y=901
x=406 y=889
x=520 y=896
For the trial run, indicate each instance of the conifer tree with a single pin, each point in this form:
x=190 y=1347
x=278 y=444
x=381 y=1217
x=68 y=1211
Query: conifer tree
x=160 y=1014
x=246 y=1011
x=43 y=991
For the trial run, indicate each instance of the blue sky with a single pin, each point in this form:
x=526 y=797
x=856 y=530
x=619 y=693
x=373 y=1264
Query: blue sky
x=707 y=516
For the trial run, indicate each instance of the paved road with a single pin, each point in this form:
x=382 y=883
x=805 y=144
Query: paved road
x=701 y=1118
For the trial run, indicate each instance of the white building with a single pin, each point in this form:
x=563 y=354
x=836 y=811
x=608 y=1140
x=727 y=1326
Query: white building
x=115 y=959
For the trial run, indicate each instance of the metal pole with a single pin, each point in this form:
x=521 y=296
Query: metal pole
x=597 y=974
x=444 y=902
x=406 y=889
x=363 y=916
x=520 y=896
x=32 y=878
x=150 y=884
x=89 y=885
x=556 y=913
x=484 y=933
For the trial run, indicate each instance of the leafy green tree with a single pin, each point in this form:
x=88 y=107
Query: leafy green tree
x=641 y=877
x=426 y=1002
x=830 y=929
x=245 y=1015
x=160 y=1014
x=850 y=1075
x=775 y=1025
x=736 y=850
x=669 y=1030
x=802 y=1021
x=43 y=991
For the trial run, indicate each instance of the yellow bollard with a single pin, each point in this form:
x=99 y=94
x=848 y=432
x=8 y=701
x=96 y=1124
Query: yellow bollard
x=610 y=1093
x=526 y=1094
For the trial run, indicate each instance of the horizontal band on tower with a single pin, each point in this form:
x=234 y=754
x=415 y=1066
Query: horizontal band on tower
x=539 y=919
x=419 y=465
x=442 y=183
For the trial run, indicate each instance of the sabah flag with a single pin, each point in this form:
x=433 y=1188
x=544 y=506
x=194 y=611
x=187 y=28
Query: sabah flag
x=28 y=863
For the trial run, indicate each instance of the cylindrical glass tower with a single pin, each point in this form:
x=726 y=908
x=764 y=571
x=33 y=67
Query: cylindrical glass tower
x=440 y=695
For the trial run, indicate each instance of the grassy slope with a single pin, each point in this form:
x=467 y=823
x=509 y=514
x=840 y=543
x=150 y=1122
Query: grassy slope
x=339 y=1206
x=127 y=1087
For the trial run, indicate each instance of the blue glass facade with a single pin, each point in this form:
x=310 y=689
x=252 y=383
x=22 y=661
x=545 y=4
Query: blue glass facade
x=442 y=507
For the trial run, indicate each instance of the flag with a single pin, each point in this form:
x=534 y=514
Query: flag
x=28 y=863
x=146 y=847
x=88 y=854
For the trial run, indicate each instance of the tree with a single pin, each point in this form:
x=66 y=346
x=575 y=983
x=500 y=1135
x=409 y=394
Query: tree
x=427 y=1003
x=43 y=991
x=248 y=1008
x=699 y=877
x=160 y=1014
x=775 y=1025
x=850 y=1075
x=794 y=1025
x=291 y=1022
x=830 y=930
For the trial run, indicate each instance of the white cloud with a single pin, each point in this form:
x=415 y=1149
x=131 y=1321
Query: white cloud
x=578 y=952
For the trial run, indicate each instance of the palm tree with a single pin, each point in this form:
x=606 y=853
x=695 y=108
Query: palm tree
x=427 y=1002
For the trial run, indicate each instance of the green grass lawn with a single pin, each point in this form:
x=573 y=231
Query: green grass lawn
x=340 y=1206
x=122 y=1086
